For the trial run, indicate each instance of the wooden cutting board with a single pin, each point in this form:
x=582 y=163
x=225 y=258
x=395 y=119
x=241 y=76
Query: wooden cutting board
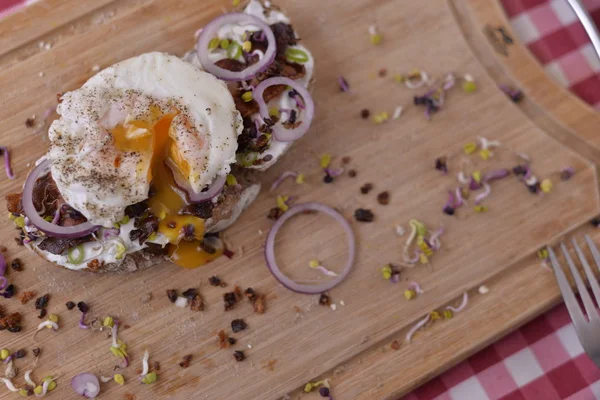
x=297 y=340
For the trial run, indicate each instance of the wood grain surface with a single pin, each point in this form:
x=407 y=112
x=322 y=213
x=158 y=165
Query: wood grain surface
x=297 y=340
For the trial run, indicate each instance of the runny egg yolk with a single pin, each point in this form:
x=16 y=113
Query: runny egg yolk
x=167 y=200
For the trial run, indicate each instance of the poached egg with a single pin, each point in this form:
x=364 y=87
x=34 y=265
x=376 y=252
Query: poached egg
x=116 y=134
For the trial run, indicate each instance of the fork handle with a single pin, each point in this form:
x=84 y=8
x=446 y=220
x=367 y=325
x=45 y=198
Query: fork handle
x=587 y=22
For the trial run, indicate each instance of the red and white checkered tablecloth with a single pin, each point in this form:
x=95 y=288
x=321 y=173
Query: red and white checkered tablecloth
x=542 y=360
x=552 y=32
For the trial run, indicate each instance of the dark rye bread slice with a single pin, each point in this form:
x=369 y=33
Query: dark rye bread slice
x=229 y=206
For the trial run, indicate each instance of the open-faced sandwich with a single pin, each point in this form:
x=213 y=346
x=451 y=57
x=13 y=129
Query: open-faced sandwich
x=153 y=155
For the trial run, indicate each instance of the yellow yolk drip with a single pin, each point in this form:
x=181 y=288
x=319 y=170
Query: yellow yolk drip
x=167 y=200
x=191 y=255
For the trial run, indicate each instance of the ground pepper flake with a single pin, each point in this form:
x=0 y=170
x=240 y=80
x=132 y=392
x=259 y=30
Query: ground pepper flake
x=366 y=188
x=43 y=313
x=11 y=322
x=36 y=352
x=441 y=164
x=352 y=173
x=384 y=198
x=224 y=340
x=16 y=265
x=230 y=299
x=70 y=305
x=172 y=295
x=197 y=303
x=364 y=215
x=324 y=300
x=395 y=345
x=190 y=293
x=275 y=213
x=239 y=355
x=238 y=325
x=216 y=281
x=42 y=302
x=365 y=114
x=26 y=296
x=186 y=361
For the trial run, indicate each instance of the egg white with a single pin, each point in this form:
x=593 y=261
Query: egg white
x=82 y=152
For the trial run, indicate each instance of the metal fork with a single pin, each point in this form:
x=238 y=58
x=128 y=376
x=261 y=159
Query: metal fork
x=587 y=22
x=588 y=329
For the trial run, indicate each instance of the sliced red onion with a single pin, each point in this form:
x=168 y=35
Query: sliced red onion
x=82 y=325
x=49 y=228
x=2 y=265
x=474 y=185
x=282 y=177
x=86 y=384
x=343 y=84
x=7 y=167
x=496 y=174
x=211 y=30
x=282 y=134
x=334 y=172
x=270 y=249
x=214 y=189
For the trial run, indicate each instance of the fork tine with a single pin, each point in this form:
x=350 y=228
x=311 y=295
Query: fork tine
x=583 y=292
x=567 y=292
x=593 y=314
x=594 y=250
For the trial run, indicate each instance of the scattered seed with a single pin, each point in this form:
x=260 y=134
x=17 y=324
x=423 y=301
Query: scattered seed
x=365 y=113
x=346 y=160
x=70 y=305
x=328 y=178
x=20 y=353
x=36 y=352
x=352 y=173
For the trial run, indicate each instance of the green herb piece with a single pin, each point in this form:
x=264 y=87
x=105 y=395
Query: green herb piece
x=296 y=55
x=75 y=255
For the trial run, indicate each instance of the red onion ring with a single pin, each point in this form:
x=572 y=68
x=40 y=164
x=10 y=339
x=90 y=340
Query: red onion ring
x=86 y=384
x=49 y=228
x=210 y=31
x=270 y=249
x=192 y=197
x=282 y=134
